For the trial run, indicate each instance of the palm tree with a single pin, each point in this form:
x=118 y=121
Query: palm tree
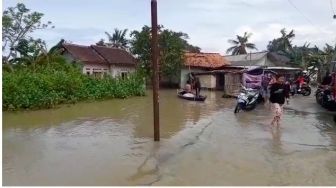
x=285 y=40
x=117 y=39
x=282 y=45
x=241 y=44
x=330 y=52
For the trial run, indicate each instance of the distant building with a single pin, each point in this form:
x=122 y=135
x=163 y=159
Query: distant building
x=229 y=77
x=100 y=60
x=200 y=63
x=264 y=59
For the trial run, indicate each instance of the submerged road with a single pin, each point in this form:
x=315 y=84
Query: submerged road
x=110 y=143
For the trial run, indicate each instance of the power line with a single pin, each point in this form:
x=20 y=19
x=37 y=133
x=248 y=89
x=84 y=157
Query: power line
x=307 y=19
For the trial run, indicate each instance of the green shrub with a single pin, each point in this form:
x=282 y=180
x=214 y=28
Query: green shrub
x=49 y=85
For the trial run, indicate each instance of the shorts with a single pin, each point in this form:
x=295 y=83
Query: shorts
x=277 y=109
x=266 y=93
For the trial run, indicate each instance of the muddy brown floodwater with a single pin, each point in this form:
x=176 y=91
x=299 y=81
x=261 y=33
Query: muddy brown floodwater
x=110 y=143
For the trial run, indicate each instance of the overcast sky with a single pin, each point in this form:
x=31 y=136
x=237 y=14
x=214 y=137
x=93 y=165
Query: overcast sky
x=209 y=23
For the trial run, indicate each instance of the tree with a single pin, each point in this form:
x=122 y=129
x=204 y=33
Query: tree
x=141 y=47
x=192 y=49
x=117 y=39
x=283 y=44
x=172 y=46
x=330 y=52
x=299 y=54
x=18 y=23
x=241 y=44
x=101 y=43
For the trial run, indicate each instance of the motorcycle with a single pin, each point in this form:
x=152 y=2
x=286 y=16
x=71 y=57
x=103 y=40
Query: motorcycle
x=305 y=89
x=325 y=98
x=248 y=99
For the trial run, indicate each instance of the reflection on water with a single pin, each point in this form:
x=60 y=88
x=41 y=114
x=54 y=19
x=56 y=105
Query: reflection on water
x=110 y=143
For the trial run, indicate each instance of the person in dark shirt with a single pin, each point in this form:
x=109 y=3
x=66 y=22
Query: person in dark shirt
x=279 y=92
x=197 y=86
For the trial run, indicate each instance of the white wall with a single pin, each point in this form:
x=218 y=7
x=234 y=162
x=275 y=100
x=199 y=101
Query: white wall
x=113 y=70
x=207 y=81
x=116 y=70
x=95 y=68
x=184 y=73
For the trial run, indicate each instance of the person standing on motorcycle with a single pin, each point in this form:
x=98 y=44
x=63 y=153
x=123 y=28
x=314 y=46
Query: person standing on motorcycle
x=300 y=81
x=279 y=94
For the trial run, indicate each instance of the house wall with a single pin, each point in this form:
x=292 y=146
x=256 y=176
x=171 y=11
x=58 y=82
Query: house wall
x=100 y=69
x=233 y=83
x=185 y=72
x=116 y=70
x=207 y=81
x=95 y=68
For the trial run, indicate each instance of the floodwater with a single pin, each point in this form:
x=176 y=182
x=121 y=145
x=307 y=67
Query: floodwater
x=110 y=143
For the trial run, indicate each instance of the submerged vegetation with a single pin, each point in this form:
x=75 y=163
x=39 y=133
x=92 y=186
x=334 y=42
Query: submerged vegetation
x=48 y=85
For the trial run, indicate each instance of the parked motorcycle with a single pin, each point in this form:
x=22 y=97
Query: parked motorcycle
x=319 y=95
x=325 y=98
x=248 y=99
x=305 y=89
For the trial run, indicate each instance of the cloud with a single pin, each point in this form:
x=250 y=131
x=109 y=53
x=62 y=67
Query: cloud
x=85 y=36
x=209 y=23
x=262 y=34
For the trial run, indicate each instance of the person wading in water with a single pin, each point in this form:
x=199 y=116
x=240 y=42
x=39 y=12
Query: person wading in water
x=278 y=95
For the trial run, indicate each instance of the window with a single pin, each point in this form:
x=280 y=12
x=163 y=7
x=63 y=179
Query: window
x=87 y=71
x=97 y=74
x=124 y=75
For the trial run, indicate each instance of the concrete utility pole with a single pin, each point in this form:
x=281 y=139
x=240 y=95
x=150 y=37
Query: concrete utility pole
x=155 y=79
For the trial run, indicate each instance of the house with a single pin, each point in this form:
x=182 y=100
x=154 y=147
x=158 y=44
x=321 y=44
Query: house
x=232 y=75
x=199 y=63
x=100 y=60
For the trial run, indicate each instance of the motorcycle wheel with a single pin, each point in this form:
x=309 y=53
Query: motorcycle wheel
x=251 y=107
x=319 y=98
x=237 y=109
x=306 y=92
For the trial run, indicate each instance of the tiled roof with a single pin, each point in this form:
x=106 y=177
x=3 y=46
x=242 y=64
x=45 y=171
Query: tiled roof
x=115 y=55
x=83 y=53
x=99 y=54
x=205 y=60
